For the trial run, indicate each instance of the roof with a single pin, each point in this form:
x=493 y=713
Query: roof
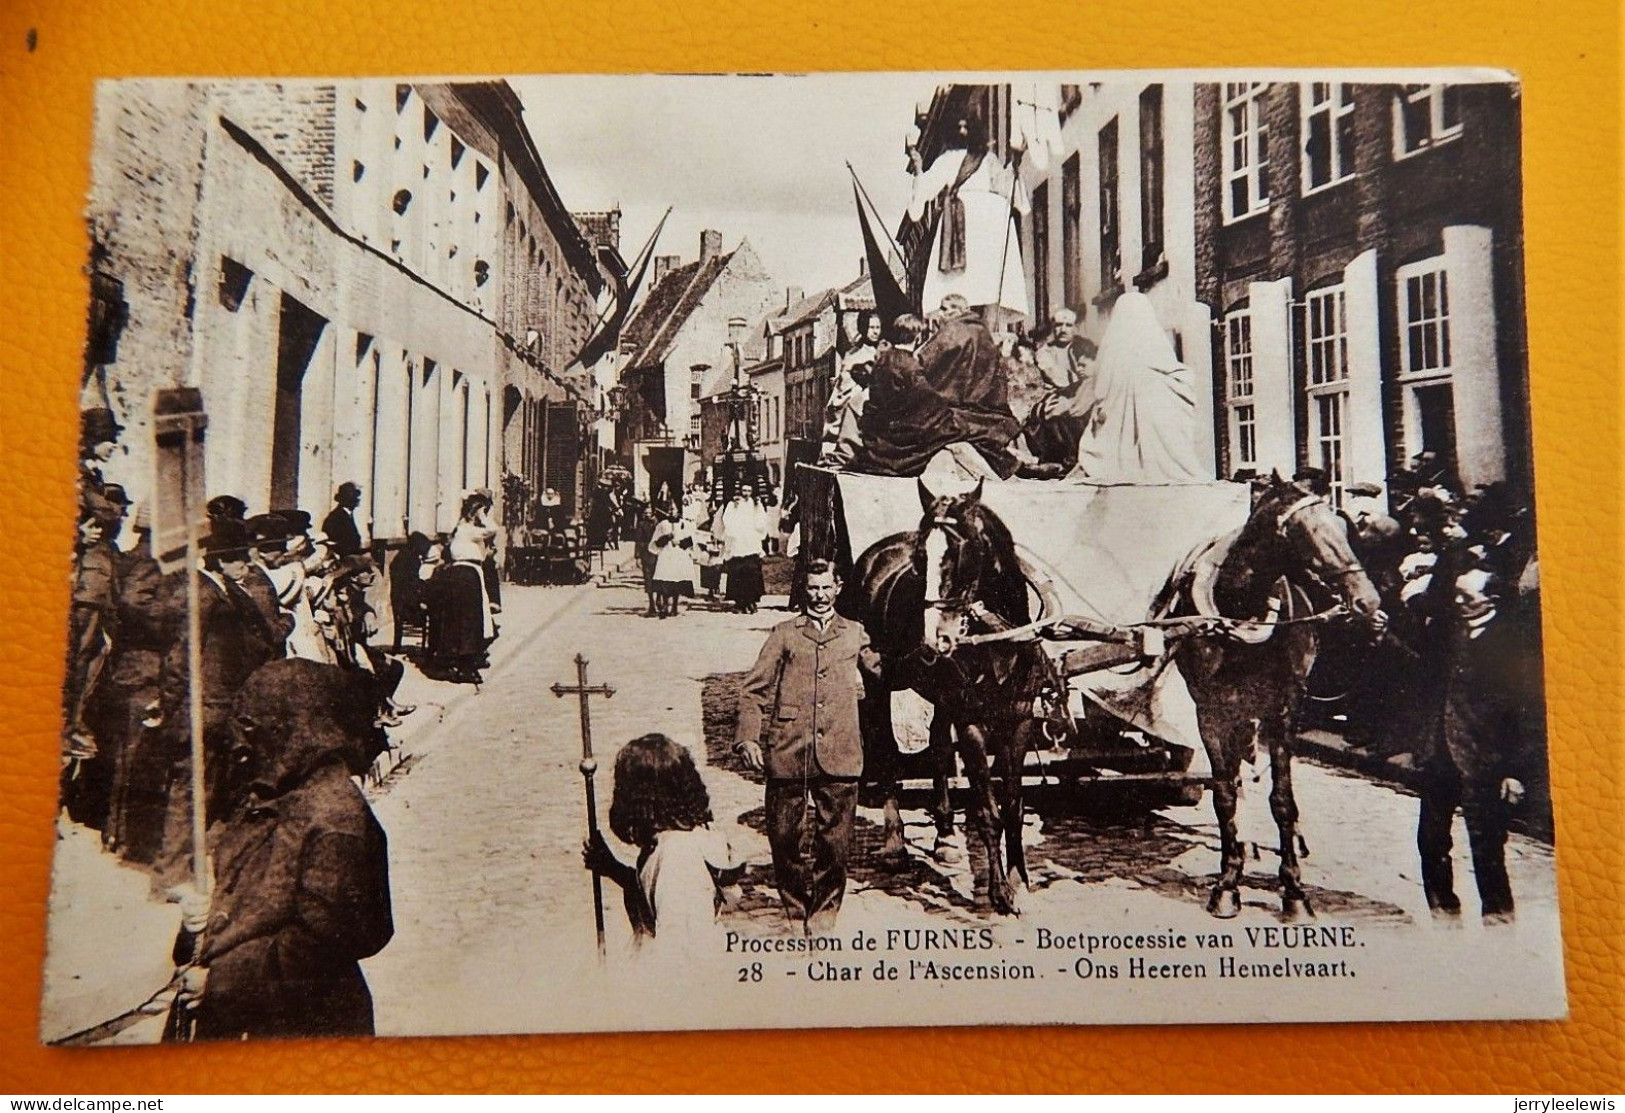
x=499 y=105
x=653 y=329
x=719 y=379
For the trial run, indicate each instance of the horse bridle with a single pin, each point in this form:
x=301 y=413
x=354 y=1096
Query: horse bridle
x=1285 y=517
x=949 y=526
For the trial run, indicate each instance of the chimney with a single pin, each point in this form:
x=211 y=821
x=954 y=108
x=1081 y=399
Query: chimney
x=736 y=330
x=664 y=265
x=710 y=245
x=863 y=266
x=791 y=296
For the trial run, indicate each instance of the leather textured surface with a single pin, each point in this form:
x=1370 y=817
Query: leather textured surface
x=1568 y=58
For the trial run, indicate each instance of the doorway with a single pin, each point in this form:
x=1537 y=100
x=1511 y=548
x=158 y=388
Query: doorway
x=299 y=331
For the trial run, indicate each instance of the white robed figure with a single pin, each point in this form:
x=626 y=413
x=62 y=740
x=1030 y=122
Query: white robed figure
x=985 y=266
x=1142 y=428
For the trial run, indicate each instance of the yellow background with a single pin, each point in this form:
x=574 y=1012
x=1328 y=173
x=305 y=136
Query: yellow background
x=1568 y=57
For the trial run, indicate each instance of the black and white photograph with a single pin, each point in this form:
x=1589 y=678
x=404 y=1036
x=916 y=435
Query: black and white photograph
x=607 y=553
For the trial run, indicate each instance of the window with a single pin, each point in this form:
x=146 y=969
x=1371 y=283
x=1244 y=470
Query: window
x=1111 y=237
x=1238 y=362
x=1246 y=150
x=1327 y=416
x=1151 y=185
x=1424 y=117
x=1041 y=251
x=1326 y=340
x=1328 y=337
x=1328 y=135
x=1071 y=241
x=1425 y=298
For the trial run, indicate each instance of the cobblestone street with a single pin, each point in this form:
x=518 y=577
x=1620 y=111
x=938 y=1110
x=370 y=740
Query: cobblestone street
x=485 y=823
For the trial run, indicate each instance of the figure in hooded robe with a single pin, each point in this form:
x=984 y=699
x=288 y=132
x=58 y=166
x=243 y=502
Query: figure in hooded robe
x=1141 y=412
x=301 y=867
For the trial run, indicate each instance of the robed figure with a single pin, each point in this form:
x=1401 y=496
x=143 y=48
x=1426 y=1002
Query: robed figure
x=1140 y=413
x=975 y=252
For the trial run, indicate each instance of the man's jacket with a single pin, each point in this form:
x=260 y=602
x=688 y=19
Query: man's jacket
x=800 y=700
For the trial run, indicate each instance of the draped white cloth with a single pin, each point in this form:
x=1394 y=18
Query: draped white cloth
x=1143 y=427
x=992 y=271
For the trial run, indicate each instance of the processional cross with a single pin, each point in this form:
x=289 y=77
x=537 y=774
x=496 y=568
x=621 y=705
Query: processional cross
x=589 y=766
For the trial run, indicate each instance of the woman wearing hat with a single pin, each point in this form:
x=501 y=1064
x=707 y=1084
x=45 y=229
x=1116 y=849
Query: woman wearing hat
x=281 y=554
x=462 y=626
x=98 y=441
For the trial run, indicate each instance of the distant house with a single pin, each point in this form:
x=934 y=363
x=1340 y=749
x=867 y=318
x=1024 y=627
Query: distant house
x=674 y=337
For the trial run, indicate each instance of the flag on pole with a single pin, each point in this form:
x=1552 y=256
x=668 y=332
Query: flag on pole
x=626 y=291
x=890 y=300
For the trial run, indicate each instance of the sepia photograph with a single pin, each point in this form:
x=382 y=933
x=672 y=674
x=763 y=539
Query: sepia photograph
x=609 y=553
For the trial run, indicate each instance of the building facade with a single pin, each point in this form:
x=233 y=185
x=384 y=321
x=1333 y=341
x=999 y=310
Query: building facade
x=1361 y=248
x=1112 y=212
x=670 y=343
x=368 y=281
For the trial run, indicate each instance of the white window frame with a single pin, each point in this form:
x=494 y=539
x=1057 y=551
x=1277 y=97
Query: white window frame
x=1338 y=106
x=1240 y=384
x=1253 y=142
x=1326 y=381
x=1438 y=133
x=1326 y=337
x=1331 y=445
x=1421 y=273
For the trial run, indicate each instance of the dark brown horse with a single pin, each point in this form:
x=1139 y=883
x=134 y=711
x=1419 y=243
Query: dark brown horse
x=1247 y=684
x=918 y=594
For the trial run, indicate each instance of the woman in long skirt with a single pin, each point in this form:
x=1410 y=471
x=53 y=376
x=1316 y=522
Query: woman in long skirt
x=744 y=532
x=461 y=627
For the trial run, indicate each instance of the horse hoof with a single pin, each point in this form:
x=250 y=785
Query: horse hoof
x=1296 y=908
x=1224 y=904
x=946 y=853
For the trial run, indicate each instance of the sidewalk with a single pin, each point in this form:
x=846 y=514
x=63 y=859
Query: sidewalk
x=108 y=941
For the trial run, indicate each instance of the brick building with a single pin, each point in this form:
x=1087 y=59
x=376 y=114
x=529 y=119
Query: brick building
x=1361 y=248
x=367 y=280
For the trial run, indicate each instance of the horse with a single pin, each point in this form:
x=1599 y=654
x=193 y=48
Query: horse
x=917 y=595
x=1248 y=684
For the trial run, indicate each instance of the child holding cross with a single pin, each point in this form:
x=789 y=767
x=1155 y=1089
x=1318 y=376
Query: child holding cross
x=660 y=806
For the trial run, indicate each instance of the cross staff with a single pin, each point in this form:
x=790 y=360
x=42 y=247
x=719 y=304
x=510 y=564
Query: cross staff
x=589 y=766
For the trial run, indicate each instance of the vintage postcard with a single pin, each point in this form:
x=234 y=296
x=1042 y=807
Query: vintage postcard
x=602 y=553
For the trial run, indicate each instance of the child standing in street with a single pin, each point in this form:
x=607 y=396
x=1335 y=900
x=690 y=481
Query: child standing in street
x=660 y=806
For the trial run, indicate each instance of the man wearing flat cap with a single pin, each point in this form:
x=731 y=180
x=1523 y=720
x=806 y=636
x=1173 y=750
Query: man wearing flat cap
x=237 y=636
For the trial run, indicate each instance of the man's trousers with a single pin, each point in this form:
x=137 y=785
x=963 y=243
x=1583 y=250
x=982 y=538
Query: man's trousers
x=809 y=827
